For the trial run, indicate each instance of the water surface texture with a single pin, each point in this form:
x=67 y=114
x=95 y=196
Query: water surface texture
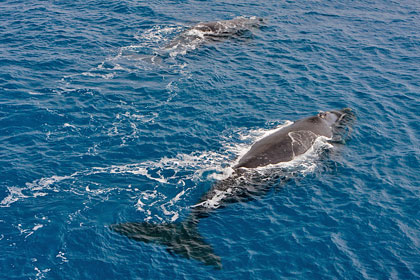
x=104 y=121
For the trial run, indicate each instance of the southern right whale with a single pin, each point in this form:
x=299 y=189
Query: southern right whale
x=203 y=32
x=284 y=145
x=212 y=31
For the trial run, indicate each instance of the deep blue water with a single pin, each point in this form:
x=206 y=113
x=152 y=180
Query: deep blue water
x=94 y=134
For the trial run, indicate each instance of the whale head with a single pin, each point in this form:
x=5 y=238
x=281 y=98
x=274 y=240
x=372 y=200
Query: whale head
x=335 y=117
x=340 y=123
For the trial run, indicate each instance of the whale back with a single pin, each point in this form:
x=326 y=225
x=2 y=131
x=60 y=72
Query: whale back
x=229 y=26
x=286 y=143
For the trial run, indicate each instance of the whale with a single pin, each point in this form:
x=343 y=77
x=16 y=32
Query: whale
x=282 y=146
x=213 y=31
x=204 y=32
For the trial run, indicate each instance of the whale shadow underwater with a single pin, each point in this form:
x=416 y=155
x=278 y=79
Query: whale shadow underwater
x=282 y=146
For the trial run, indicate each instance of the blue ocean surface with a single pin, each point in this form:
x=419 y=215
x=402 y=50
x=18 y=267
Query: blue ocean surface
x=102 y=123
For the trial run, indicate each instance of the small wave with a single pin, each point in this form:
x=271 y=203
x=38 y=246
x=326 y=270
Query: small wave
x=61 y=255
x=41 y=273
x=28 y=232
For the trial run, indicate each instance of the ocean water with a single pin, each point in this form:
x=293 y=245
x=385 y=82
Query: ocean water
x=101 y=123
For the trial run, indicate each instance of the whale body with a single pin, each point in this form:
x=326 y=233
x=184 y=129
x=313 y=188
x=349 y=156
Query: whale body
x=212 y=31
x=284 y=145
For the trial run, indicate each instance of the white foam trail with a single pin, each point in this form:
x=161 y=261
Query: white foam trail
x=142 y=55
x=157 y=34
x=181 y=173
x=183 y=167
x=15 y=194
x=152 y=39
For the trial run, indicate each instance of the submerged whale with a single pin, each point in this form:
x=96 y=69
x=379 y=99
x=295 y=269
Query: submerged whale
x=213 y=31
x=284 y=145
